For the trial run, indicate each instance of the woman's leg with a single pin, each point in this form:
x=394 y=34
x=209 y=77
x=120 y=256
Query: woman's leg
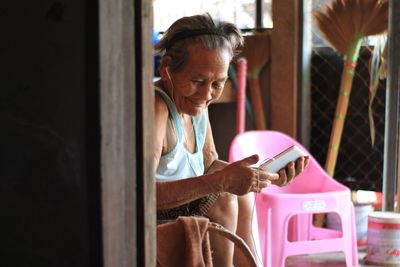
x=246 y=217
x=225 y=212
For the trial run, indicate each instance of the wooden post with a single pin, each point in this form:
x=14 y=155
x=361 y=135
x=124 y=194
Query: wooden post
x=284 y=66
x=144 y=68
x=128 y=195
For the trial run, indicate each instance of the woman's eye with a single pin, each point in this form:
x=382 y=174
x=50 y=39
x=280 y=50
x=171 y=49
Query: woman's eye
x=197 y=81
x=218 y=86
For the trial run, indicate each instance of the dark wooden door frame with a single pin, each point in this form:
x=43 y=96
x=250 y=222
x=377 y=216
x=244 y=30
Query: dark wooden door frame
x=126 y=97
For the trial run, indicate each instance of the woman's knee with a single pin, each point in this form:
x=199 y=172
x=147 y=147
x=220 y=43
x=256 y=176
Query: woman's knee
x=225 y=210
x=246 y=205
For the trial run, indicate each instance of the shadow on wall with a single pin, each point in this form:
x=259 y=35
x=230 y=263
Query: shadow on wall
x=41 y=197
x=43 y=192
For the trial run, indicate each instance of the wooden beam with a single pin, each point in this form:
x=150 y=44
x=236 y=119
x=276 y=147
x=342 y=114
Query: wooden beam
x=145 y=65
x=284 y=66
x=118 y=132
x=127 y=97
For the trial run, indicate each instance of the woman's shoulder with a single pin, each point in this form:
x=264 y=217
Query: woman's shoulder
x=163 y=103
x=160 y=107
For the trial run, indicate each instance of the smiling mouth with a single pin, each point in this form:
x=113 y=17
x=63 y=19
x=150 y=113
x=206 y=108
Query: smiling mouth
x=199 y=104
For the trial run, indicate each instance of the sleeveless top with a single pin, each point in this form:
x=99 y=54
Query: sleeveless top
x=179 y=163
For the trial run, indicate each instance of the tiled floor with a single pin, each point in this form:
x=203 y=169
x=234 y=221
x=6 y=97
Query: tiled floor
x=324 y=260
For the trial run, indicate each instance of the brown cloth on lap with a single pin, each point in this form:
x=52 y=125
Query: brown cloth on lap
x=184 y=242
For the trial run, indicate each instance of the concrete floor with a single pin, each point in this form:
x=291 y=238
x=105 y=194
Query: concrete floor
x=324 y=260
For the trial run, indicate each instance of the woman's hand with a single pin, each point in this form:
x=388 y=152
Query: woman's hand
x=239 y=178
x=286 y=175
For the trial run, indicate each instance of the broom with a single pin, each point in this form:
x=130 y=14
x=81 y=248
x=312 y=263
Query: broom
x=257 y=52
x=344 y=23
x=241 y=95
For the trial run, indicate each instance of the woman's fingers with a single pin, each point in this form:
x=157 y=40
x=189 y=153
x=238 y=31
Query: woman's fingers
x=268 y=176
x=288 y=174
x=282 y=178
x=243 y=178
x=253 y=159
x=257 y=187
x=291 y=171
x=300 y=164
x=263 y=180
x=306 y=161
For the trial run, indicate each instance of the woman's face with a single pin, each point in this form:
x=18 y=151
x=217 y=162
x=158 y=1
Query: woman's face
x=201 y=81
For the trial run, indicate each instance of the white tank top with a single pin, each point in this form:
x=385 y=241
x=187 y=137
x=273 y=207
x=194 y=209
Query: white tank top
x=179 y=163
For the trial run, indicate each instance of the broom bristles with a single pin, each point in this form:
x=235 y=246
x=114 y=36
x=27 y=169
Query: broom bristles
x=345 y=20
x=256 y=50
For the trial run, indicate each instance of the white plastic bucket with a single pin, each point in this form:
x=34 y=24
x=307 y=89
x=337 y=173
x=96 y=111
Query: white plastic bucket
x=361 y=213
x=383 y=238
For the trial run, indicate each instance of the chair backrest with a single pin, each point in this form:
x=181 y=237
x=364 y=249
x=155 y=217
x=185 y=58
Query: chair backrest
x=265 y=143
x=269 y=143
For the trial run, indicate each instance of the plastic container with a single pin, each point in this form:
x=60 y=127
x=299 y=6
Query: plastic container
x=361 y=212
x=383 y=239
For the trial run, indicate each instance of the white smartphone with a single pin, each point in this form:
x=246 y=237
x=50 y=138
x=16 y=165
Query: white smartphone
x=281 y=160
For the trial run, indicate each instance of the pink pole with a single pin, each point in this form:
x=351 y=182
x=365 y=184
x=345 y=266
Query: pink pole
x=241 y=95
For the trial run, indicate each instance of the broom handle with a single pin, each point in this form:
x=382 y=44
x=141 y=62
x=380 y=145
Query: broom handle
x=241 y=95
x=346 y=82
x=340 y=116
x=256 y=101
x=337 y=127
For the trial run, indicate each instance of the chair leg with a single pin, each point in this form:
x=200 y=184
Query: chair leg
x=351 y=245
x=273 y=241
x=279 y=240
x=276 y=240
x=300 y=227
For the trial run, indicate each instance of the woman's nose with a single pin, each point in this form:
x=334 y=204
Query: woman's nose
x=207 y=92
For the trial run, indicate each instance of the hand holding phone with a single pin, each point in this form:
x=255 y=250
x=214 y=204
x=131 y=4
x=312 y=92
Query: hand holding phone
x=281 y=160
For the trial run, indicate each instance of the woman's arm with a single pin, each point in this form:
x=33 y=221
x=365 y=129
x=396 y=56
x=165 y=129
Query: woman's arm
x=216 y=166
x=161 y=119
x=174 y=193
x=211 y=161
x=236 y=178
x=171 y=194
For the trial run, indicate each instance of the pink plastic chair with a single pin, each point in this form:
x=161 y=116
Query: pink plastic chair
x=285 y=214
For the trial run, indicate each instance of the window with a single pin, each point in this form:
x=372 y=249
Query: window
x=240 y=12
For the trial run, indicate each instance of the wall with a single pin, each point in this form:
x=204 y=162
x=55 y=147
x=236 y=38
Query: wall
x=223 y=116
x=45 y=198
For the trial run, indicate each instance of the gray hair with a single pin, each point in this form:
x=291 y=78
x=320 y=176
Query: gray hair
x=217 y=35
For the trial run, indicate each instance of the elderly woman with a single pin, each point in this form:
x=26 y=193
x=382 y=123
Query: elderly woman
x=191 y=180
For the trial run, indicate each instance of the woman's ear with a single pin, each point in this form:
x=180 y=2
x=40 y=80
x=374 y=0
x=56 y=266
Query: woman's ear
x=164 y=67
